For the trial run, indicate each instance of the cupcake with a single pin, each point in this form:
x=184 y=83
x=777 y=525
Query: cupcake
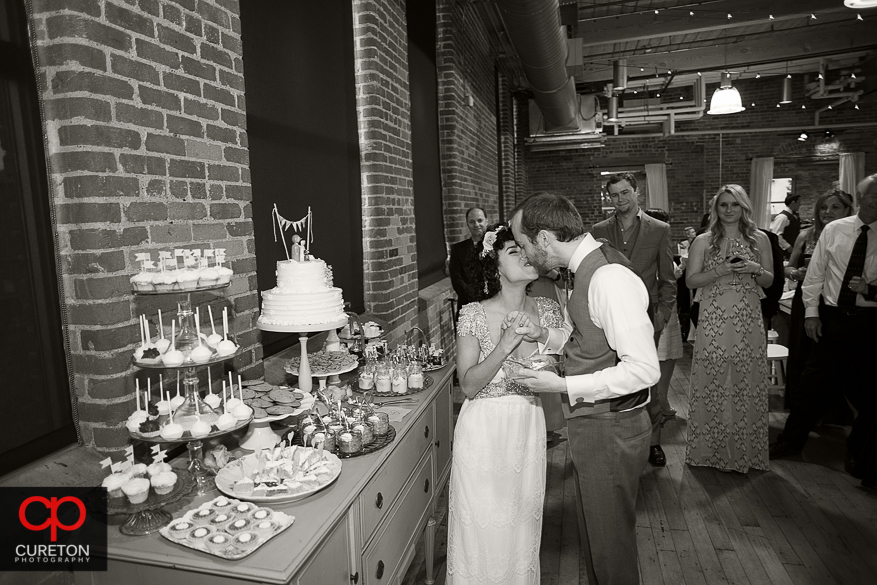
x=180 y=528
x=114 y=484
x=220 y=519
x=239 y=525
x=157 y=468
x=163 y=483
x=203 y=516
x=246 y=540
x=243 y=509
x=260 y=514
x=199 y=535
x=265 y=528
x=142 y=281
x=163 y=281
x=137 y=490
x=188 y=279
x=208 y=277
x=225 y=274
x=218 y=541
x=138 y=470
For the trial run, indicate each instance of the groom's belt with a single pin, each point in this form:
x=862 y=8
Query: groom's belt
x=619 y=404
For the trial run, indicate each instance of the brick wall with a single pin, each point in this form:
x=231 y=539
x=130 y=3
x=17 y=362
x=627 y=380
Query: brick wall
x=697 y=164
x=384 y=121
x=145 y=122
x=467 y=133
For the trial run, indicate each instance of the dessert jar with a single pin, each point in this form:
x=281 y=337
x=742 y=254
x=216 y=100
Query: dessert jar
x=399 y=380
x=380 y=422
x=350 y=441
x=383 y=381
x=415 y=376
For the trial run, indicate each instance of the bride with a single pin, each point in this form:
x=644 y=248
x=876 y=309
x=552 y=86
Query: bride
x=497 y=484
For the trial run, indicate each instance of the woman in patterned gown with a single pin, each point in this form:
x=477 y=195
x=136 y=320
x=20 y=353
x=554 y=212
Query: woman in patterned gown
x=497 y=484
x=729 y=264
x=829 y=207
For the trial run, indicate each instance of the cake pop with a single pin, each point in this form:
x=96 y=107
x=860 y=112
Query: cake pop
x=212 y=400
x=226 y=420
x=232 y=402
x=214 y=338
x=200 y=354
x=241 y=411
x=162 y=343
x=226 y=346
x=173 y=357
x=177 y=400
x=172 y=430
x=199 y=428
x=163 y=406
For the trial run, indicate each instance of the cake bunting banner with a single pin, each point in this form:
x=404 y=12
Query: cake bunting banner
x=129 y=453
x=116 y=467
x=297 y=226
x=157 y=454
x=108 y=462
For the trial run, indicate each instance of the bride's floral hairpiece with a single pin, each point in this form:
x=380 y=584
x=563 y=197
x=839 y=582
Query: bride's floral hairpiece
x=489 y=240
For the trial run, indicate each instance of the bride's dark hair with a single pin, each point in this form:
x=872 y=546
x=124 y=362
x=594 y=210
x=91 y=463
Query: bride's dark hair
x=495 y=238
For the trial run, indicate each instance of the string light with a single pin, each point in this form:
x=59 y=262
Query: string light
x=803 y=107
x=758 y=76
x=853 y=75
x=859 y=17
x=698 y=74
x=729 y=16
x=771 y=17
x=778 y=105
x=857 y=106
x=829 y=107
x=656 y=11
x=820 y=76
x=812 y=16
x=691 y=13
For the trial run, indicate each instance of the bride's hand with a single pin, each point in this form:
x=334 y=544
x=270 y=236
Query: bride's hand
x=513 y=330
x=531 y=331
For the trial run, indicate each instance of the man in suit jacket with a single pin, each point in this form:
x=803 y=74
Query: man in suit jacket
x=611 y=361
x=646 y=242
x=463 y=265
x=770 y=304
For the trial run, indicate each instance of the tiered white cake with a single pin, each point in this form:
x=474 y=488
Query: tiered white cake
x=304 y=295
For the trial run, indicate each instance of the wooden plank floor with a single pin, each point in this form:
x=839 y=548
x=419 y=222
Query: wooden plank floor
x=805 y=522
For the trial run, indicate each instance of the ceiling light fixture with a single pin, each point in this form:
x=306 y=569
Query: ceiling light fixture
x=726 y=99
x=619 y=74
x=613 y=109
x=787 y=90
x=803 y=137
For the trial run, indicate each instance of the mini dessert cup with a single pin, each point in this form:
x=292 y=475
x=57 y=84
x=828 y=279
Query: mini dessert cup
x=203 y=516
x=243 y=509
x=238 y=525
x=221 y=504
x=246 y=540
x=218 y=541
x=380 y=422
x=180 y=528
x=350 y=441
x=368 y=433
x=199 y=534
x=327 y=437
x=265 y=528
x=220 y=520
x=260 y=514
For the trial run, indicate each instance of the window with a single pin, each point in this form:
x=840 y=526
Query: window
x=33 y=365
x=779 y=190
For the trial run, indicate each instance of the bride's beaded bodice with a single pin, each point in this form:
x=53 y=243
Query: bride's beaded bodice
x=473 y=322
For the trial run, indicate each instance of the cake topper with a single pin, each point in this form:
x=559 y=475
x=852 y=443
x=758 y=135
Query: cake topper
x=284 y=224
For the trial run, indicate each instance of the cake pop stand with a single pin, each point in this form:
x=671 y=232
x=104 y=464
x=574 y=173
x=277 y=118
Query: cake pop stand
x=261 y=436
x=148 y=517
x=305 y=384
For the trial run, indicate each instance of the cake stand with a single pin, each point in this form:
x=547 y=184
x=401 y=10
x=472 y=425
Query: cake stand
x=148 y=517
x=305 y=384
x=261 y=436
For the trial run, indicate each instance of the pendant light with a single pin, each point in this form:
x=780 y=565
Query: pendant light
x=726 y=99
x=619 y=74
x=613 y=109
x=786 y=98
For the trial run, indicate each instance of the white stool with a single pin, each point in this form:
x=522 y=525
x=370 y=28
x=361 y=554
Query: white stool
x=776 y=356
x=772 y=336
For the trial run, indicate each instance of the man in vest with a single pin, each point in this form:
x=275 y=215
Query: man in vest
x=787 y=225
x=611 y=361
x=464 y=264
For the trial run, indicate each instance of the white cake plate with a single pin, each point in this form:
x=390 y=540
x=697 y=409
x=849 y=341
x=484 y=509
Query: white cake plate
x=260 y=435
x=305 y=384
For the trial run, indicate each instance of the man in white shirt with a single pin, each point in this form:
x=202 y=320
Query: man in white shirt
x=787 y=225
x=842 y=274
x=611 y=361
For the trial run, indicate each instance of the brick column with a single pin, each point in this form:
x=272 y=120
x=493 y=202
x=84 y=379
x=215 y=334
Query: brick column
x=146 y=128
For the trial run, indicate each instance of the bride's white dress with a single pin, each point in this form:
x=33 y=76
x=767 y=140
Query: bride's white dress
x=497 y=485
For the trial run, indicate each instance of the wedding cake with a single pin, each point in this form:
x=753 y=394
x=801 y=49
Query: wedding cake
x=304 y=296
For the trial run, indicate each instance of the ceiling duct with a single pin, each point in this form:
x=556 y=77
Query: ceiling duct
x=534 y=29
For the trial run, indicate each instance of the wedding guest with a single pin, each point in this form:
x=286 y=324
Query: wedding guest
x=729 y=264
x=829 y=207
x=497 y=484
x=463 y=266
x=646 y=243
x=611 y=362
x=843 y=273
x=786 y=225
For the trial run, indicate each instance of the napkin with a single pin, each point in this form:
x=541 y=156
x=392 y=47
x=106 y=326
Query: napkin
x=396 y=413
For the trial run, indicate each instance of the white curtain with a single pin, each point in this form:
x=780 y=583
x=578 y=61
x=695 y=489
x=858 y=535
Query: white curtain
x=656 y=178
x=852 y=170
x=759 y=190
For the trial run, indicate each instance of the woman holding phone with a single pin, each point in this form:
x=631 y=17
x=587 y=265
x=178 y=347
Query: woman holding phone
x=730 y=264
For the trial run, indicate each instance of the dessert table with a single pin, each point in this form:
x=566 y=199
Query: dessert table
x=361 y=529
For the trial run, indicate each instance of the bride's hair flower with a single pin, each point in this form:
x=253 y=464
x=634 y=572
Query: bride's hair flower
x=489 y=241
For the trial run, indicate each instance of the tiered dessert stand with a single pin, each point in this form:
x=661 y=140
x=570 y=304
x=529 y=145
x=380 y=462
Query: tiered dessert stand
x=185 y=341
x=262 y=435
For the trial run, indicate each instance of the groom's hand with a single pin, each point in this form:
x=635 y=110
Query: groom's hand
x=531 y=331
x=541 y=381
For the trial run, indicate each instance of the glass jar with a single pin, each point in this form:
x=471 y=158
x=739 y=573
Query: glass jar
x=367 y=432
x=349 y=441
x=415 y=376
x=380 y=422
x=324 y=436
x=382 y=378
x=367 y=375
x=399 y=379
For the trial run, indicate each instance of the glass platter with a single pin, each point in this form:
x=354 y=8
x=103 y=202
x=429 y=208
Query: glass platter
x=236 y=470
x=187 y=436
x=376 y=445
x=354 y=385
x=147 y=516
x=432 y=367
x=157 y=364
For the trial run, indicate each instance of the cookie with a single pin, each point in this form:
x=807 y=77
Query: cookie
x=280 y=409
x=259 y=412
x=281 y=395
x=260 y=403
x=247 y=393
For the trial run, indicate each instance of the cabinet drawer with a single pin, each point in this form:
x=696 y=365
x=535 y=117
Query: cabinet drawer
x=444 y=431
x=378 y=496
x=382 y=557
x=330 y=562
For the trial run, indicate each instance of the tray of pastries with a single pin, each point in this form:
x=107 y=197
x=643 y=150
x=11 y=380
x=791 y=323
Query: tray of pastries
x=227 y=527
x=325 y=363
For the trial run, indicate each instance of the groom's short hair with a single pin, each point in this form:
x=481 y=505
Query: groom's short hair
x=550 y=212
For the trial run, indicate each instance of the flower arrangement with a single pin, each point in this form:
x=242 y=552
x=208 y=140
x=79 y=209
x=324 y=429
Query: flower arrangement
x=489 y=240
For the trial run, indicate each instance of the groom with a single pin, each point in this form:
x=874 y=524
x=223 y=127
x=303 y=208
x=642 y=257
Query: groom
x=611 y=362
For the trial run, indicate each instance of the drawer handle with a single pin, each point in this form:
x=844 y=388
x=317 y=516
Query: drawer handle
x=379 y=501
x=426 y=431
x=438 y=444
x=380 y=572
x=355 y=578
x=426 y=485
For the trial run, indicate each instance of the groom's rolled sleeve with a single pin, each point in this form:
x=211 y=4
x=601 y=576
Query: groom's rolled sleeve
x=618 y=303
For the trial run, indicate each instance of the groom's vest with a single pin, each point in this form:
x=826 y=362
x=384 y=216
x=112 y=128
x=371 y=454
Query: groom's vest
x=587 y=350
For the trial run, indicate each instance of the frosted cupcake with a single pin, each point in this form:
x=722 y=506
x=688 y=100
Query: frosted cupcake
x=163 y=483
x=137 y=490
x=142 y=281
x=157 y=468
x=114 y=484
x=138 y=470
x=188 y=279
x=164 y=281
x=208 y=277
x=225 y=274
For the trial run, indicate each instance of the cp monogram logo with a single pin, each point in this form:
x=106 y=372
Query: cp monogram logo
x=53 y=522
